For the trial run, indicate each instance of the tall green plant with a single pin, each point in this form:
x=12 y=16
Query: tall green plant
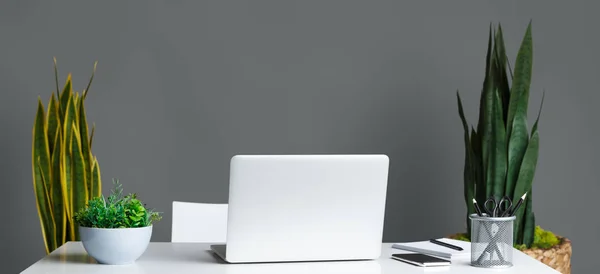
x=65 y=172
x=500 y=154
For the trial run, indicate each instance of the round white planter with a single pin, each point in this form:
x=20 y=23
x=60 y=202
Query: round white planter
x=117 y=246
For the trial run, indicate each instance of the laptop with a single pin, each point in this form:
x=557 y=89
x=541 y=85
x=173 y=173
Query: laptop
x=298 y=208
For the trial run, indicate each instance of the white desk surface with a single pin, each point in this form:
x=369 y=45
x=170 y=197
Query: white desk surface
x=183 y=258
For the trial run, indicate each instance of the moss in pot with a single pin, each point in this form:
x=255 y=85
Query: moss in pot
x=116 y=230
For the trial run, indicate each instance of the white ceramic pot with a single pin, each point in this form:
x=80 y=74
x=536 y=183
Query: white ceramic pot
x=117 y=246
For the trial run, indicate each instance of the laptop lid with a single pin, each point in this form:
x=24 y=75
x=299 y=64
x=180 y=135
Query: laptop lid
x=306 y=207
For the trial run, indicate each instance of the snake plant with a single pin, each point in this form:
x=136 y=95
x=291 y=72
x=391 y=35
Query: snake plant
x=65 y=172
x=500 y=153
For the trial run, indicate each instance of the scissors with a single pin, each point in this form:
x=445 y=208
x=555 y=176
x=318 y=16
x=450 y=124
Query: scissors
x=498 y=208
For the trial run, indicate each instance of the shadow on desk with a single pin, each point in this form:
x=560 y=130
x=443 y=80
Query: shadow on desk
x=73 y=259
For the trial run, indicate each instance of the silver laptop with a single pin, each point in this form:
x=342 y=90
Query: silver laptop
x=285 y=208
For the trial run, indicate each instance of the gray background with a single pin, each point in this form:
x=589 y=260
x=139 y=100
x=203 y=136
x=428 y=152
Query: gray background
x=182 y=86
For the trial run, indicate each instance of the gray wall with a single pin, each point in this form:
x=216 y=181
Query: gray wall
x=181 y=87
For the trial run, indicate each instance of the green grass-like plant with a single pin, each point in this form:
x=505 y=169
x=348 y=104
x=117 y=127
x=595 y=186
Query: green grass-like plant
x=117 y=211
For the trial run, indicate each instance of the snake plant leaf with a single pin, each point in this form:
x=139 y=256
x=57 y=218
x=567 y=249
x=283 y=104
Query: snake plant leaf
x=487 y=139
x=529 y=221
x=537 y=119
x=49 y=225
x=488 y=57
x=519 y=98
x=56 y=77
x=41 y=150
x=79 y=186
x=76 y=100
x=502 y=78
x=526 y=224
x=469 y=183
x=58 y=205
x=53 y=120
x=92 y=134
x=484 y=106
x=509 y=69
x=41 y=170
x=67 y=183
x=527 y=172
x=87 y=89
x=497 y=151
x=476 y=166
x=70 y=119
x=526 y=175
x=65 y=97
x=96 y=180
x=85 y=147
x=517 y=145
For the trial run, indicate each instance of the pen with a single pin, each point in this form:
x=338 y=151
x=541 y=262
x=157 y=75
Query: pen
x=446 y=245
x=518 y=205
x=477 y=208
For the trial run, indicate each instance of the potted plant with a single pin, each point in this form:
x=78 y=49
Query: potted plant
x=501 y=155
x=116 y=230
x=66 y=174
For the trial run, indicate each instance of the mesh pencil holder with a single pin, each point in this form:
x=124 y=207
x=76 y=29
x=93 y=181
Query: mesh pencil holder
x=491 y=241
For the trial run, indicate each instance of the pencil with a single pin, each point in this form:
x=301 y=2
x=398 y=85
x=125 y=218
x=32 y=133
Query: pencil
x=477 y=208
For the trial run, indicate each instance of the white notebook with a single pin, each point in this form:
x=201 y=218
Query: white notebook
x=426 y=247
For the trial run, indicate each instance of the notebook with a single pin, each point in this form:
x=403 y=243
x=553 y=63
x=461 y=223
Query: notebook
x=421 y=259
x=426 y=247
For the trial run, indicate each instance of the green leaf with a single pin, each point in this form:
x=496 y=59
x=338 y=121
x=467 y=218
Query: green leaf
x=41 y=148
x=96 y=181
x=517 y=146
x=483 y=125
x=40 y=165
x=85 y=149
x=67 y=184
x=487 y=139
x=502 y=78
x=135 y=218
x=58 y=205
x=517 y=125
x=529 y=219
x=497 y=169
x=519 y=98
x=56 y=76
x=469 y=183
x=53 y=120
x=87 y=89
x=49 y=225
x=80 y=192
x=92 y=134
x=70 y=118
x=488 y=57
x=537 y=119
x=526 y=175
x=476 y=165
x=65 y=97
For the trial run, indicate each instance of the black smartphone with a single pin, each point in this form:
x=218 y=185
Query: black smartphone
x=421 y=259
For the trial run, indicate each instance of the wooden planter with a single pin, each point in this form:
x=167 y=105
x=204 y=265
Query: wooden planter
x=557 y=257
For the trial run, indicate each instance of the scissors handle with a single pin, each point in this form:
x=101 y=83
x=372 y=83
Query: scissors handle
x=494 y=210
x=508 y=205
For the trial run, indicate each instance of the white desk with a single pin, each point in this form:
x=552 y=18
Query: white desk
x=183 y=258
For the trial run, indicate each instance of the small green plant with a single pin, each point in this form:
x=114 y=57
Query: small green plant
x=117 y=211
